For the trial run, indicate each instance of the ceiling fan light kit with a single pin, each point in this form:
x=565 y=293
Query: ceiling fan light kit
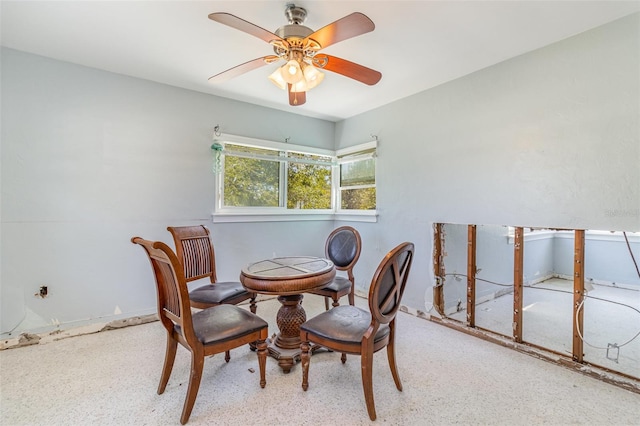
x=292 y=72
x=312 y=76
x=298 y=46
x=277 y=79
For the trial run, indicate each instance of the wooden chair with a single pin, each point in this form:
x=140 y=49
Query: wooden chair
x=349 y=329
x=204 y=333
x=197 y=256
x=343 y=248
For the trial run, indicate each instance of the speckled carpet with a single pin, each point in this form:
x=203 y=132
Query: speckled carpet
x=110 y=378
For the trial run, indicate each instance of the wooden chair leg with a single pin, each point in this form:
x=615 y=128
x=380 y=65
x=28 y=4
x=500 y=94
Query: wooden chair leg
x=352 y=296
x=326 y=303
x=336 y=302
x=304 y=359
x=343 y=358
x=391 y=354
x=197 y=363
x=367 y=383
x=227 y=356
x=169 y=358
x=262 y=361
x=252 y=305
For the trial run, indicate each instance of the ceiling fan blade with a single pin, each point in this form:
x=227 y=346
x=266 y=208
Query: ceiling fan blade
x=296 y=98
x=343 y=29
x=243 y=68
x=245 y=26
x=347 y=68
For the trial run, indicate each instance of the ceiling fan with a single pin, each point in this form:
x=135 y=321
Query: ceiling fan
x=299 y=47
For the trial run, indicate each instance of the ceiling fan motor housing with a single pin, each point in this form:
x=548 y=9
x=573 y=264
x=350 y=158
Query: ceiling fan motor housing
x=296 y=16
x=293 y=30
x=298 y=47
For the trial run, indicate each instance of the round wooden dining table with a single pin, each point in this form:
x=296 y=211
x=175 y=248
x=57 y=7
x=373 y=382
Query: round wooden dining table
x=288 y=278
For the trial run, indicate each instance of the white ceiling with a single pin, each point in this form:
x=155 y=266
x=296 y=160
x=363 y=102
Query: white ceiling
x=416 y=44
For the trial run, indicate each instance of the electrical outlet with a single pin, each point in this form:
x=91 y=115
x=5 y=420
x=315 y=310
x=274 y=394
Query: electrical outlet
x=43 y=292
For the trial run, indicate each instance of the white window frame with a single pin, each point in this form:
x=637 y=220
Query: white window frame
x=347 y=155
x=223 y=214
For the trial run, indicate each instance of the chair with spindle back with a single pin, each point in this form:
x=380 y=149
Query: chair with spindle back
x=196 y=254
x=210 y=331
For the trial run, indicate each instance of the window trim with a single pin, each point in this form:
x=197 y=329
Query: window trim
x=279 y=146
x=351 y=155
x=278 y=214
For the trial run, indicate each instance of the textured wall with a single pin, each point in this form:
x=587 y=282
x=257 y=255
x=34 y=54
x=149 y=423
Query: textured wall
x=90 y=159
x=550 y=138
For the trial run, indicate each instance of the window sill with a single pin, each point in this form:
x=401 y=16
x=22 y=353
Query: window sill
x=533 y=236
x=357 y=216
x=633 y=237
x=293 y=216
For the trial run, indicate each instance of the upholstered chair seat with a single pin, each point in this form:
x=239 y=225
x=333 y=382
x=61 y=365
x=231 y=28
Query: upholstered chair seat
x=218 y=294
x=345 y=324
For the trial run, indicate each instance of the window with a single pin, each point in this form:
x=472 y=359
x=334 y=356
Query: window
x=263 y=178
x=251 y=177
x=308 y=181
x=357 y=178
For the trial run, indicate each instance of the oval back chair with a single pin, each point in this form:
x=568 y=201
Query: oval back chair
x=352 y=330
x=343 y=248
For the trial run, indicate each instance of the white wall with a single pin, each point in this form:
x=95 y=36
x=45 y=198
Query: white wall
x=550 y=138
x=608 y=259
x=89 y=159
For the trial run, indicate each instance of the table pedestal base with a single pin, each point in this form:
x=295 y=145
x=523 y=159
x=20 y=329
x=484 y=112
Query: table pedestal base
x=289 y=276
x=287 y=358
x=285 y=347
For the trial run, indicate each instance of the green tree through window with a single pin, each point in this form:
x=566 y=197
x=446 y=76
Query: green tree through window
x=273 y=175
x=308 y=186
x=250 y=182
x=358 y=183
